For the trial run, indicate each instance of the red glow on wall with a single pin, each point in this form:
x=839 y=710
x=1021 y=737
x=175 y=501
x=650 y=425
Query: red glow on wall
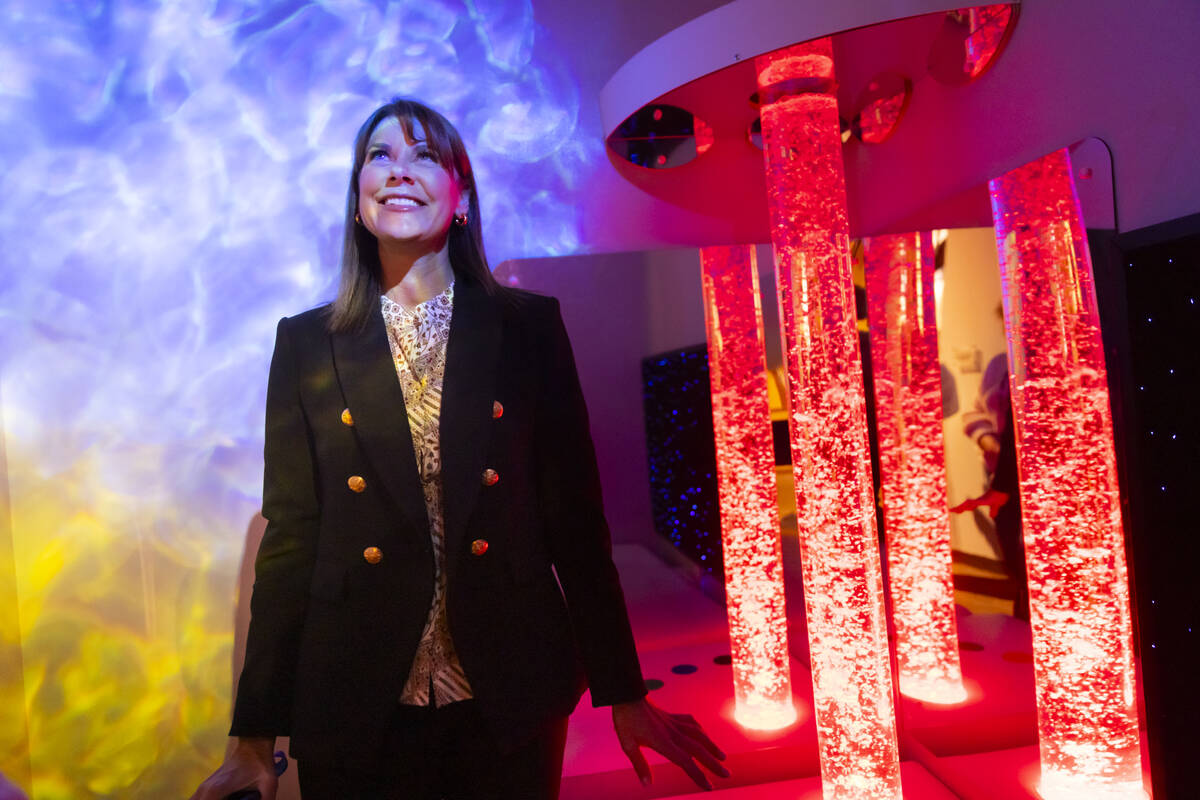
x=988 y=26
x=754 y=595
x=1074 y=542
x=908 y=413
x=843 y=590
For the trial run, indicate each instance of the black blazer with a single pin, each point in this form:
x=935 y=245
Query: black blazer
x=332 y=636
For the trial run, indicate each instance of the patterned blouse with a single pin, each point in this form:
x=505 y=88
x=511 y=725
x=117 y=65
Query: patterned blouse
x=418 y=340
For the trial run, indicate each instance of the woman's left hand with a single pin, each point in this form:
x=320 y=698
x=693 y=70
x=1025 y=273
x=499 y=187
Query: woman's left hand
x=678 y=737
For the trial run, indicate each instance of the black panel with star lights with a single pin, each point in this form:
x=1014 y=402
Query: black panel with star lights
x=1160 y=269
x=682 y=458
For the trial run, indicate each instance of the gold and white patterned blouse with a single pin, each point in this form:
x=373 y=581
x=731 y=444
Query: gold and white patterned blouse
x=418 y=340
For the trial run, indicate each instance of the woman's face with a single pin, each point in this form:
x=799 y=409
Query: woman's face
x=404 y=195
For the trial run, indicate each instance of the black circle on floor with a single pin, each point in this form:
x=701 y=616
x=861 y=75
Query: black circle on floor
x=972 y=646
x=683 y=669
x=724 y=660
x=652 y=684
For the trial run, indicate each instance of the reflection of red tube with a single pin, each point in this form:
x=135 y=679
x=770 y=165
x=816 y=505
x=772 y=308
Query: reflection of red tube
x=843 y=590
x=1074 y=544
x=754 y=596
x=908 y=412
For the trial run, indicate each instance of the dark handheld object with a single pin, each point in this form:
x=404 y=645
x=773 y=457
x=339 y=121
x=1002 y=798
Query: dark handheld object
x=281 y=763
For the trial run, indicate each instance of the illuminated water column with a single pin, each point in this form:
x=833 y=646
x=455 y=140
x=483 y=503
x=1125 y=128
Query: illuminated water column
x=1074 y=543
x=908 y=412
x=746 y=483
x=835 y=509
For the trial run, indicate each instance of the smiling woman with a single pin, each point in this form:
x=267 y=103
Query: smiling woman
x=417 y=433
x=405 y=194
x=410 y=178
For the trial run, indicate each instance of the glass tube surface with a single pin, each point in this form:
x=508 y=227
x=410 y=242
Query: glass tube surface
x=1070 y=504
x=843 y=589
x=754 y=595
x=908 y=412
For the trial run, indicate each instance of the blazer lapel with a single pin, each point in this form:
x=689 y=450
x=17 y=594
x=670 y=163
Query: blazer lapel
x=468 y=390
x=363 y=361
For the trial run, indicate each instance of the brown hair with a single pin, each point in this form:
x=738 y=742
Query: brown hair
x=361 y=283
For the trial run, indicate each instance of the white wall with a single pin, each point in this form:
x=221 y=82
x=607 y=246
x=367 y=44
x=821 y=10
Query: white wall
x=618 y=309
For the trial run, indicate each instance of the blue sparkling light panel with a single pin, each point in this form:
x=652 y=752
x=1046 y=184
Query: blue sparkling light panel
x=682 y=463
x=172 y=181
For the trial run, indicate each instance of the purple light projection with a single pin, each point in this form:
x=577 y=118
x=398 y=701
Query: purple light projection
x=172 y=179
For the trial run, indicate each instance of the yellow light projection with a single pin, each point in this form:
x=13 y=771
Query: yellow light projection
x=14 y=726
x=126 y=644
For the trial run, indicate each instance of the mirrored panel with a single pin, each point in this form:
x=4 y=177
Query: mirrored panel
x=881 y=105
x=661 y=136
x=970 y=41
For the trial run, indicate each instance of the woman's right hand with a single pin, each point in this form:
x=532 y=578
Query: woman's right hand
x=249 y=765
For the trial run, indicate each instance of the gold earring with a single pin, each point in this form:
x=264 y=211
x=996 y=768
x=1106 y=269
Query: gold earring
x=357 y=218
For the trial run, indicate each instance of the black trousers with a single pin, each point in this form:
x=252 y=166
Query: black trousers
x=446 y=753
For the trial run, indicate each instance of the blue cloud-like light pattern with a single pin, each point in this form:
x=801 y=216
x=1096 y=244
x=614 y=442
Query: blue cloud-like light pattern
x=172 y=179
x=173 y=176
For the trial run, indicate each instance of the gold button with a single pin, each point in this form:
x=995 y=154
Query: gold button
x=356 y=483
x=490 y=476
x=346 y=418
x=497 y=410
x=372 y=555
x=479 y=547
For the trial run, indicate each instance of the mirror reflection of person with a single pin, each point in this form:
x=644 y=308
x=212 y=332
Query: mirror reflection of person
x=430 y=484
x=989 y=424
